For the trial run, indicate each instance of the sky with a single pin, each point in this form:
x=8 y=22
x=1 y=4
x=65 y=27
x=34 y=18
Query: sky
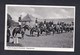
x=40 y=12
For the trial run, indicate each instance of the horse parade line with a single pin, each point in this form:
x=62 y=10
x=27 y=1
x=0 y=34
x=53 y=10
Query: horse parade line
x=56 y=40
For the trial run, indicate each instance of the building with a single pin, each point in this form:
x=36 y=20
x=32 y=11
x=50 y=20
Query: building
x=10 y=22
x=27 y=20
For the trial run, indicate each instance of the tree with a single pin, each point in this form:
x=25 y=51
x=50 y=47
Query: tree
x=9 y=20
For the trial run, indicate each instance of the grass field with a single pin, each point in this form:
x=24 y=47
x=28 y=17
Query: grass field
x=64 y=40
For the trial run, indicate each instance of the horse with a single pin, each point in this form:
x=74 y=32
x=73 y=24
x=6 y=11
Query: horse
x=43 y=28
x=18 y=30
x=51 y=29
x=57 y=29
x=31 y=29
x=34 y=29
x=26 y=27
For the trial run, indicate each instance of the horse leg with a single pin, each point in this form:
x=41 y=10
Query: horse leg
x=41 y=31
x=31 y=32
x=24 y=29
x=46 y=32
x=22 y=34
x=14 y=35
x=37 y=33
x=53 y=31
x=58 y=31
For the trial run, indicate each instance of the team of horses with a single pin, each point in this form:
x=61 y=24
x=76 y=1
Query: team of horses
x=48 y=28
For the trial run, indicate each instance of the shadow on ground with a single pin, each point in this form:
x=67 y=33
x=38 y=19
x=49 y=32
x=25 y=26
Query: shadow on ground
x=16 y=44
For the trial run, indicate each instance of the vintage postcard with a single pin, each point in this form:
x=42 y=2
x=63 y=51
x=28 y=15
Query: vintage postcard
x=39 y=28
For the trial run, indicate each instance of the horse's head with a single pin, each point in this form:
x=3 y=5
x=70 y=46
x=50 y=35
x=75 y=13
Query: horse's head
x=27 y=27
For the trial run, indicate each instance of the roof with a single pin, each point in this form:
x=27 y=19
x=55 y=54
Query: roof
x=27 y=18
x=10 y=21
x=9 y=16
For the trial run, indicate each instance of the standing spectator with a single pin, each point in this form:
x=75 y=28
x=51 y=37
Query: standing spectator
x=8 y=34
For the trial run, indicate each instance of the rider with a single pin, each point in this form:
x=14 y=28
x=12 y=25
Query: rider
x=45 y=23
x=20 y=22
x=36 y=22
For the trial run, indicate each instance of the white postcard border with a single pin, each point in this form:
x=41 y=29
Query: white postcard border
x=38 y=48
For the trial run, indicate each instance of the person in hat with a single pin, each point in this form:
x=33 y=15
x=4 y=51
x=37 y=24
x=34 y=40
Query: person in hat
x=36 y=22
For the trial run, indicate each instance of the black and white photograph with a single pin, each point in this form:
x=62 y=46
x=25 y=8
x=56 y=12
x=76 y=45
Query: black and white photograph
x=39 y=28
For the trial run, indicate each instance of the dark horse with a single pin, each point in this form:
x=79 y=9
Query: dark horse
x=26 y=27
x=32 y=29
x=51 y=29
x=47 y=28
x=18 y=30
x=42 y=28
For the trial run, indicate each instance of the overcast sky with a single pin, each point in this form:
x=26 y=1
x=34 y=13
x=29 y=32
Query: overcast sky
x=40 y=12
